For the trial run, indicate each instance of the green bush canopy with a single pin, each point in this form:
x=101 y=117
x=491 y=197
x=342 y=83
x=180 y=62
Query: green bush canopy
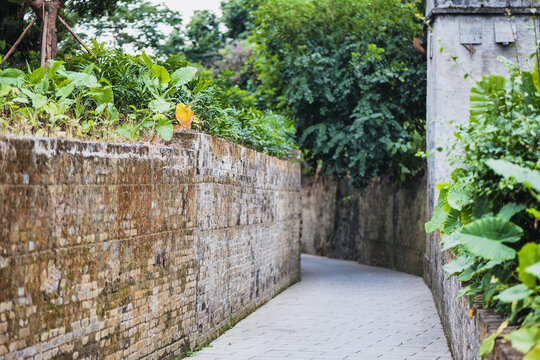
x=347 y=71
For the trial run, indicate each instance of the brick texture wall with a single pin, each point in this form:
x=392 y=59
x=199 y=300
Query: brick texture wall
x=112 y=251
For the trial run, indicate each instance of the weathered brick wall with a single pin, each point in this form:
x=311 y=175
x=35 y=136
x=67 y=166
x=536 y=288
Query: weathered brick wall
x=133 y=251
x=383 y=225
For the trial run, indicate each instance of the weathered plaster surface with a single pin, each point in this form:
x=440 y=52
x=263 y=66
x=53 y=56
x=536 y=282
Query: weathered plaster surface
x=132 y=251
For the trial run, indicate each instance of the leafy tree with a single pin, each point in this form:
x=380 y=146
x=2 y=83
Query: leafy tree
x=239 y=17
x=109 y=18
x=205 y=38
x=346 y=71
x=134 y=24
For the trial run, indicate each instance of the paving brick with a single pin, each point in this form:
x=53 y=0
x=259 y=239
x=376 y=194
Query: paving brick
x=340 y=310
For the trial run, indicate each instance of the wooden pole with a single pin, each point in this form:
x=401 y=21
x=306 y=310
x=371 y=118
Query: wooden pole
x=14 y=47
x=75 y=35
x=44 y=38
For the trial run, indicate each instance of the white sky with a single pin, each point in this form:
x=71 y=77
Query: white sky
x=187 y=7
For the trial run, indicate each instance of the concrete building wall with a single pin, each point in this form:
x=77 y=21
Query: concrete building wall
x=448 y=61
x=114 y=251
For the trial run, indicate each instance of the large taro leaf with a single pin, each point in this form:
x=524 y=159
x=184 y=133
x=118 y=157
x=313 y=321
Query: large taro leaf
x=485 y=94
x=528 y=256
x=521 y=174
x=459 y=264
x=485 y=237
x=514 y=293
x=439 y=215
x=525 y=338
x=183 y=75
x=458 y=196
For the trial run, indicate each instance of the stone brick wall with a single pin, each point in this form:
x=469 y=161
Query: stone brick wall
x=114 y=251
x=381 y=226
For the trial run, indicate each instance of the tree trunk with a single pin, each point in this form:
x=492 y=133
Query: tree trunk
x=48 y=14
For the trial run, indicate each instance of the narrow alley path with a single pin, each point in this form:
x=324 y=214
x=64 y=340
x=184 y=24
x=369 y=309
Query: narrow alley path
x=340 y=310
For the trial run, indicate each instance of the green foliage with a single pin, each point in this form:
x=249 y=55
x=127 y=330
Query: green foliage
x=103 y=14
x=483 y=213
x=346 y=73
x=239 y=17
x=134 y=23
x=114 y=94
x=205 y=38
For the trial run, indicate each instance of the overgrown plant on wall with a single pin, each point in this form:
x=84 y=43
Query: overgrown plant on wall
x=488 y=212
x=114 y=96
x=347 y=71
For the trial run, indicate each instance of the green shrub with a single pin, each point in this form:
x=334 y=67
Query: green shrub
x=347 y=71
x=487 y=212
x=114 y=95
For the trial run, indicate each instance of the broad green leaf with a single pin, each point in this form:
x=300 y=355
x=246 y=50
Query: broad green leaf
x=101 y=108
x=510 y=210
x=459 y=264
x=483 y=99
x=113 y=112
x=39 y=101
x=485 y=237
x=5 y=90
x=452 y=221
x=183 y=75
x=525 y=338
x=534 y=354
x=164 y=128
x=439 y=215
x=54 y=65
x=458 y=196
x=487 y=345
x=160 y=105
x=161 y=73
x=521 y=174
x=536 y=75
x=481 y=208
x=125 y=131
x=514 y=293
x=467 y=290
x=66 y=90
x=528 y=255
x=43 y=86
x=449 y=241
x=147 y=60
x=534 y=213
x=36 y=75
x=102 y=95
x=12 y=77
x=489 y=342
x=82 y=79
x=534 y=270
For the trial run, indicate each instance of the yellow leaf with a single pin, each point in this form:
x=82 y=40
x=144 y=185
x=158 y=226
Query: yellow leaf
x=184 y=115
x=472 y=312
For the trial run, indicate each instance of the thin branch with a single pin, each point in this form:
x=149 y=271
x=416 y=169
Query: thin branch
x=75 y=35
x=18 y=41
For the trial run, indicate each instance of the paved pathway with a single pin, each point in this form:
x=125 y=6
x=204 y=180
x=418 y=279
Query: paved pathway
x=340 y=310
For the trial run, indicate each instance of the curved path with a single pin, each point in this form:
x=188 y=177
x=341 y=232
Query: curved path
x=340 y=310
